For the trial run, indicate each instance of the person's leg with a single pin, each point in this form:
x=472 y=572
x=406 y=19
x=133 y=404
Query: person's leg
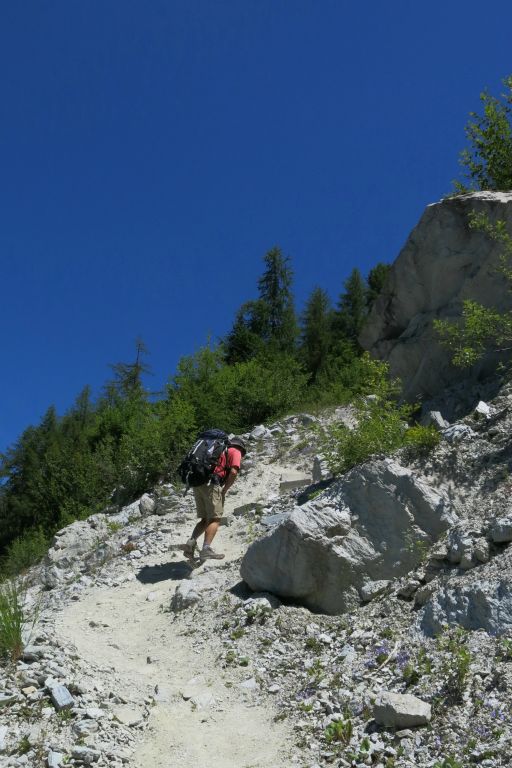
x=213 y=522
x=211 y=530
x=200 y=528
x=201 y=499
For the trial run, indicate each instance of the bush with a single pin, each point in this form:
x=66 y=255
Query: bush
x=382 y=423
x=12 y=620
x=24 y=552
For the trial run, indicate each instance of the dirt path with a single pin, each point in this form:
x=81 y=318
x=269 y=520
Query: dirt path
x=206 y=715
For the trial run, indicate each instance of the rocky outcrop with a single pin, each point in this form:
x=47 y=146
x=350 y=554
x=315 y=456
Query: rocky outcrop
x=370 y=526
x=442 y=264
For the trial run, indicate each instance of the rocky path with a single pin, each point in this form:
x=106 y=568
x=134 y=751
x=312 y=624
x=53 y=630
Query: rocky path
x=206 y=713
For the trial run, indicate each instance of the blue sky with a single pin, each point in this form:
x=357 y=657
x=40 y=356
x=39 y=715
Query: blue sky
x=152 y=151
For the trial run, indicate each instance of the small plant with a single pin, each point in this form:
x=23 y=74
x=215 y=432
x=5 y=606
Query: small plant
x=420 y=440
x=12 y=620
x=413 y=671
x=113 y=526
x=314 y=645
x=237 y=633
x=24 y=746
x=449 y=762
x=504 y=649
x=339 y=731
x=316 y=671
x=456 y=667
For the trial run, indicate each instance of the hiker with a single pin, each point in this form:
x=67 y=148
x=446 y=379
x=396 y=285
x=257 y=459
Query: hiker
x=209 y=499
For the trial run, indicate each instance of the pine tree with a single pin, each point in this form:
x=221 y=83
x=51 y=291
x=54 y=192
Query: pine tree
x=269 y=322
x=488 y=161
x=351 y=311
x=316 y=332
x=376 y=279
x=127 y=381
x=278 y=320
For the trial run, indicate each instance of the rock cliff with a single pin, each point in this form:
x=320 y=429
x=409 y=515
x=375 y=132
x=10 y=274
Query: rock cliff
x=442 y=264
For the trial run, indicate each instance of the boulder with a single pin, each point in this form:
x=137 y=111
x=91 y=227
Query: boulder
x=434 y=419
x=72 y=542
x=362 y=529
x=146 y=504
x=442 y=264
x=291 y=480
x=401 y=710
x=481 y=604
x=501 y=530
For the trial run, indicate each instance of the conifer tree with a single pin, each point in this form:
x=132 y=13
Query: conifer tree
x=376 y=279
x=279 y=323
x=316 y=331
x=351 y=311
x=268 y=323
x=127 y=381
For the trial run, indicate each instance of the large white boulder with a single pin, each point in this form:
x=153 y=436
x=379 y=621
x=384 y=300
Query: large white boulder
x=369 y=526
x=443 y=263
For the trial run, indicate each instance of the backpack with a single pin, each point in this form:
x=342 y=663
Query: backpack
x=198 y=465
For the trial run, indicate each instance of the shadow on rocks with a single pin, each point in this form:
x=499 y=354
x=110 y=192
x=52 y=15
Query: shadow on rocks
x=152 y=574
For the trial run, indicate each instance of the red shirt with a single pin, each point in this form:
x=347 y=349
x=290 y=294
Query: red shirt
x=234 y=459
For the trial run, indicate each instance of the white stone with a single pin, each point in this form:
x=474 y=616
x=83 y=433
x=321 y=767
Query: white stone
x=147 y=505
x=397 y=710
x=55 y=759
x=291 y=479
x=127 y=715
x=482 y=409
x=61 y=697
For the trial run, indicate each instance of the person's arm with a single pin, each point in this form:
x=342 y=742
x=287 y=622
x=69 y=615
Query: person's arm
x=230 y=479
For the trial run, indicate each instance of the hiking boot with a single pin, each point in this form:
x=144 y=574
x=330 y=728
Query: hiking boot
x=189 y=548
x=207 y=553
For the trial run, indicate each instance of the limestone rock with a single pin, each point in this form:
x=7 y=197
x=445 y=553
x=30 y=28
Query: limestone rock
x=72 y=542
x=358 y=530
x=442 y=263
x=480 y=604
x=189 y=593
x=147 y=504
x=501 y=530
x=61 y=697
x=435 y=419
x=398 y=710
x=458 y=432
x=292 y=479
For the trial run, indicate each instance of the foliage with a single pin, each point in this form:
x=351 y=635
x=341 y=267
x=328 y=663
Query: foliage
x=488 y=161
x=316 y=332
x=381 y=423
x=480 y=328
x=351 y=311
x=449 y=762
x=267 y=324
x=376 y=280
x=339 y=731
x=455 y=669
x=24 y=551
x=12 y=620
x=421 y=440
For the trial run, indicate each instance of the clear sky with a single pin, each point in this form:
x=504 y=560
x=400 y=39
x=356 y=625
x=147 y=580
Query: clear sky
x=152 y=151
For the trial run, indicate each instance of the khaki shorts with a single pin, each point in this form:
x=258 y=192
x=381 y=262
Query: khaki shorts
x=209 y=502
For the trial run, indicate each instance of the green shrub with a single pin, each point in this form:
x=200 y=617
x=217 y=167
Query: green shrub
x=24 y=552
x=421 y=440
x=12 y=620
